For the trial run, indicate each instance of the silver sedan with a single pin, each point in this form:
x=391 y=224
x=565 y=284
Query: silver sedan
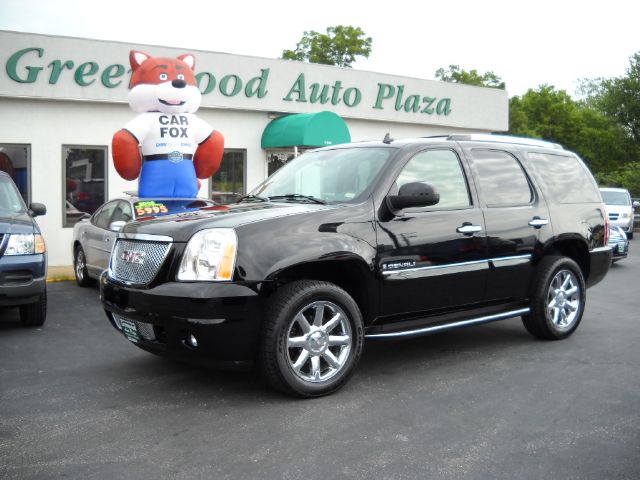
x=93 y=237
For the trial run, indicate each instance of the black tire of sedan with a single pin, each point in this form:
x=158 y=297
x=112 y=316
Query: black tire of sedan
x=34 y=314
x=312 y=338
x=558 y=299
x=80 y=268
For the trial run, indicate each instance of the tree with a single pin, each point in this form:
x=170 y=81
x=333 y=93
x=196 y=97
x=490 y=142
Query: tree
x=619 y=97
x=455 y=74
x=339 y=46
x=553 y=115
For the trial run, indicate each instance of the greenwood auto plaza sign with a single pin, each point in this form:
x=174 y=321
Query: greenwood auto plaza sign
x=64 y=68
x=30 y=65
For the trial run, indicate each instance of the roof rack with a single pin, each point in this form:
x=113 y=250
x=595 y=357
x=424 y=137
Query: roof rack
x=485 y=137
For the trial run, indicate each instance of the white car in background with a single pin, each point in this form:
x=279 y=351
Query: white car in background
x=619 y=208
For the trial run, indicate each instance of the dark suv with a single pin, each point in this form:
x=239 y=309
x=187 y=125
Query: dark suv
x=23 y=258
x=376 y=240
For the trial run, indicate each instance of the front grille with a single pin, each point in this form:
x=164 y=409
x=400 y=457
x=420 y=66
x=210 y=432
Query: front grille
x=613 y=216
x=137 y=262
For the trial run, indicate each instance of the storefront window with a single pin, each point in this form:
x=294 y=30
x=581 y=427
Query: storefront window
x=85 y=171
x=228 y=184
x=15 y=160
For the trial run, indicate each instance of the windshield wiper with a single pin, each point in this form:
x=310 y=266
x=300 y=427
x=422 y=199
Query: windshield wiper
x=253 y=197
x=297 y=196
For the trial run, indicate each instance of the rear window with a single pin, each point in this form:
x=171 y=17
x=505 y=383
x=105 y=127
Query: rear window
x=146 y=208
x=566 y=179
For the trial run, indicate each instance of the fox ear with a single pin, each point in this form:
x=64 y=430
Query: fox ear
x=189 y=60
x=136 y=58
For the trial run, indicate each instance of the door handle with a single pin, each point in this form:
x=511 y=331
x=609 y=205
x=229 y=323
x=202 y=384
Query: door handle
x=468 y=229
x=537 y=222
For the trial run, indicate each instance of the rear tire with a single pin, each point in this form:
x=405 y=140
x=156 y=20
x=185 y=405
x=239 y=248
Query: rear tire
x=80 y=268
x=558 y=299
x=312 y=339
x=34 y=314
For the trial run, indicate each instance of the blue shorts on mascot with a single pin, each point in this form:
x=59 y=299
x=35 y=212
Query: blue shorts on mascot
x=177 y=147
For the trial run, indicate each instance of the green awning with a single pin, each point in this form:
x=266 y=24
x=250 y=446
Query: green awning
x=306 y=130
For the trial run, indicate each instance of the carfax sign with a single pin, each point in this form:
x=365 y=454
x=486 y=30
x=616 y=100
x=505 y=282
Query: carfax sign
x=80 y=69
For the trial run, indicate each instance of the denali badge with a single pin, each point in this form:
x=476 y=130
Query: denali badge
x=132 y=256
x=398 y=265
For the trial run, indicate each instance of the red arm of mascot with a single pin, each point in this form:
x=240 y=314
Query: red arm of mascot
x=126 y=154
x=209 y=155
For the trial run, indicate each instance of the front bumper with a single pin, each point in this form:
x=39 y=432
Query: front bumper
x=22 y=279
x=225 y=318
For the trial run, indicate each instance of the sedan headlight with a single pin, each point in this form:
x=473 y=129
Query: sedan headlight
x=210 y=256
x=624 y=215
x=25 y=244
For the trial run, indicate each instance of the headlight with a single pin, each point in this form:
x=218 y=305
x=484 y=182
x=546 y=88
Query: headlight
x=25 y=244
x=624 y=215
x=210 y=256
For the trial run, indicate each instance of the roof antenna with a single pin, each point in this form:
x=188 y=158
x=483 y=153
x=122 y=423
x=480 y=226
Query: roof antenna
x=387 y=139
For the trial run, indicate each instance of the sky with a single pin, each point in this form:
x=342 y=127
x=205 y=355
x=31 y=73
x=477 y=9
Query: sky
x=526 y=43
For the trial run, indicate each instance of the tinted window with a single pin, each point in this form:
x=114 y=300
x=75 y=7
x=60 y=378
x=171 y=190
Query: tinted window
x=123 y=213
x=14 y=159
x=10 y=199
x=442 y=169
x=501 y=178
x=227 y=185
x=102 y=218
x=565 y=178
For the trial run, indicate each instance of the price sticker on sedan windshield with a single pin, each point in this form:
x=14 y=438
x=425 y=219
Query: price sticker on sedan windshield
x=150 y=207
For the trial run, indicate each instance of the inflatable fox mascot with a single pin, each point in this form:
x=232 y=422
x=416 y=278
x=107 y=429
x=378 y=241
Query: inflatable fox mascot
x=177 y=147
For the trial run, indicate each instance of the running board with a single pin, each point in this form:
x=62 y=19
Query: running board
x=450 y=326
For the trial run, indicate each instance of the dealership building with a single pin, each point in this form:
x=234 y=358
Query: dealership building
x=62 y=99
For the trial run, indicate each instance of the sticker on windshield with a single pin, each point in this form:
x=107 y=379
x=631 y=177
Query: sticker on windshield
x=150 y=207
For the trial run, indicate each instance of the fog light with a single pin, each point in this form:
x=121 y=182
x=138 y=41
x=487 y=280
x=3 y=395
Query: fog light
x=192 y=341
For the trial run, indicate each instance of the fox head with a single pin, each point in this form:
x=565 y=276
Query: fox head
x=166 y=85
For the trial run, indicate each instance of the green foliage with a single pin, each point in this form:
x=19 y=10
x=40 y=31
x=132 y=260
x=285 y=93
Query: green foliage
x=618 y=98
x=455 y=74
x=339 y=46
x=627 y=176
x=553 y=115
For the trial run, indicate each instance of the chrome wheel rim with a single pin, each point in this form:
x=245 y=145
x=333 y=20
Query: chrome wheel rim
x=563 y=300
x=319 y=342
x=80 y=265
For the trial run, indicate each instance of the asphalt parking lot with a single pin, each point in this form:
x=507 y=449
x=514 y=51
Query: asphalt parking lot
x=77 y=400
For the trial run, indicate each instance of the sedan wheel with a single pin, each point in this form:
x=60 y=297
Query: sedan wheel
x=80 y=268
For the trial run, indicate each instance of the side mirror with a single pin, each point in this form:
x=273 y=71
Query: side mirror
x=414 y=194
x=37 y=209
x=636 y=204
x=117 y=226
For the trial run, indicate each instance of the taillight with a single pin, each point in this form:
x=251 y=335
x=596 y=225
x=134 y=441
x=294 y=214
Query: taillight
x=606 y=226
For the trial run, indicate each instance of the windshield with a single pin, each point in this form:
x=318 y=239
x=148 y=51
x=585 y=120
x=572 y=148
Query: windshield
x=10 y=199
x=616 y=198
x=167 y=206
x=340 y=175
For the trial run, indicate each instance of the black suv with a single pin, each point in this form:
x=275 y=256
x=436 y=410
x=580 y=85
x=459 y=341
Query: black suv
x=376 y=240
x=23 y=258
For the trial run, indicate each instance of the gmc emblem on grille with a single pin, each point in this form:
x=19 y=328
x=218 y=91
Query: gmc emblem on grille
x=132 y=256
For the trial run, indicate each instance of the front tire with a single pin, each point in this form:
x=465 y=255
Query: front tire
x=558 y=299
x=312 y=339
x=80 y=268
x=34 y=314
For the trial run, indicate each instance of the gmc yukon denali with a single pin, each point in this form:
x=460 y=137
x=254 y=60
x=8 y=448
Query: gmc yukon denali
x=366 y=241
